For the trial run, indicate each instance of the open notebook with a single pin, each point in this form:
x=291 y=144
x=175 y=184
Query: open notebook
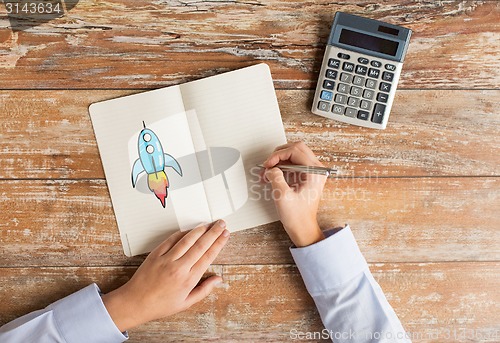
x=184 y=155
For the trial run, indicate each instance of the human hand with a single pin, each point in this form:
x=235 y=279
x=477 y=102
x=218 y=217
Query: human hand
x=167 y=281
x=298 y=195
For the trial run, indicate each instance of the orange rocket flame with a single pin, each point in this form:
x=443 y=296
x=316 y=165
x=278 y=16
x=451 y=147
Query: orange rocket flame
x=158 y=184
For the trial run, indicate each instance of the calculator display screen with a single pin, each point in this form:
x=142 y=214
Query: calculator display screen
x=368 y=42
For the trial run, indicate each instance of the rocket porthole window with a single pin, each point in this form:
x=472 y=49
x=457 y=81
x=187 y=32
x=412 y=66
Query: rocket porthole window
x=146 y=137
x=150 y=149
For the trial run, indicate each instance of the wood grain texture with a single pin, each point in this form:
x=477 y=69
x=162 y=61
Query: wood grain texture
x=422 y=196
x=144 y=44
x=48 y=134
x=65 y=223
x=434 y=301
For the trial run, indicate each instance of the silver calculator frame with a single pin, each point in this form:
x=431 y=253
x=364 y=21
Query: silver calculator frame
x=367 y=26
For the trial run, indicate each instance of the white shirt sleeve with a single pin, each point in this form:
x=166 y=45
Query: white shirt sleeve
x=351 y=304
x=80 y=317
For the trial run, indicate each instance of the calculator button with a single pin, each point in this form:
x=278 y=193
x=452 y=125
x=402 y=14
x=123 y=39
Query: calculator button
x=345 y=77
x=326 y=95
x=361 y=70
x=328 y=84
x=385 y=87
x=382 y=97
x=331 y=74
x=373 y=73
x=340 y=99
x=371 y=83
x=333 y=63
x=356 y=91
x=351 y=112
x=354 y=102
x=358 y=80
x=368 y=94
x=376 y=64
x=343 y=88
x=378 y=113
x=390 y=67
x=363 y=115
x=348 y=66
x=323 y=106
x=344 y=56
x=363 y=60
x=338 y=109
x=386 y=76
x=365 y=104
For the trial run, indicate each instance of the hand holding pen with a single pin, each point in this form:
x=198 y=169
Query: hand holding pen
x=297 y=199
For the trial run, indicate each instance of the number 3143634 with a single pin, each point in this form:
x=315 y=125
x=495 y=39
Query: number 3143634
x=33 y=7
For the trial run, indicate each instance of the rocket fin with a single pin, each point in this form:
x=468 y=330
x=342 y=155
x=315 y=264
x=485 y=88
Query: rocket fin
x=172 y=162
x=136 y=171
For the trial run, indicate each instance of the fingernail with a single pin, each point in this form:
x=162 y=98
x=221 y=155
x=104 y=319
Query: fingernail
x=225 y=233
x=222 y=223
x=221 y=284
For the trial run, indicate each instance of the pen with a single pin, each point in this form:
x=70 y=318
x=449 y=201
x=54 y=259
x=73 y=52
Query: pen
x=328 y=172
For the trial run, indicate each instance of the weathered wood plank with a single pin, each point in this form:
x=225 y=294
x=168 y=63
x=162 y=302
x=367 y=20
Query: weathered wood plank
x=437 y=302
x=48 y=134
x=424 y=190
x=429 y=133
x=144 y=44
x=71 y=223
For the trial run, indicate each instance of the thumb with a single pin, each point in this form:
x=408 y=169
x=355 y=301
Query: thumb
x=275 y=176
x=201 y=291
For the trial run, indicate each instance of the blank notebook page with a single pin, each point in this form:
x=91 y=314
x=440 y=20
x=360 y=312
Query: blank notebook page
x=239 y=109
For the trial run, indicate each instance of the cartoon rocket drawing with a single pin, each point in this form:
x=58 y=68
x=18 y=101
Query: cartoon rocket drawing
x=153 y=161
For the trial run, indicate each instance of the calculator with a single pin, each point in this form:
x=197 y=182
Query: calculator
x=360 y=70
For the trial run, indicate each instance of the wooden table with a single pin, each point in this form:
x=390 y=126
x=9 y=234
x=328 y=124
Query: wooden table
x=422 y=196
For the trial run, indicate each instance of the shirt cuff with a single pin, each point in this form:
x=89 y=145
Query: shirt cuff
x=331 y=262
x=82 y=315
